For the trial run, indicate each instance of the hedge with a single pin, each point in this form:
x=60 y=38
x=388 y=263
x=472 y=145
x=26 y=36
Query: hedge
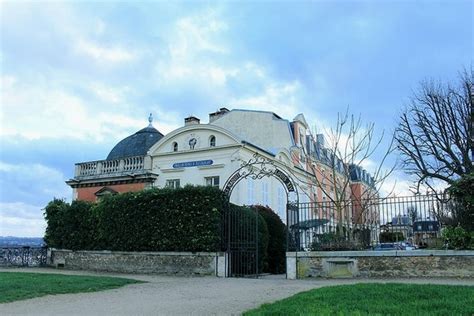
x=276 y=251
x=184 y=219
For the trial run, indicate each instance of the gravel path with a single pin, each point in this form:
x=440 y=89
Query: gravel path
x=164 y=295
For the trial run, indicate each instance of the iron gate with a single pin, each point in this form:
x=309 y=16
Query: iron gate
x=240 y=236
x=242 y=242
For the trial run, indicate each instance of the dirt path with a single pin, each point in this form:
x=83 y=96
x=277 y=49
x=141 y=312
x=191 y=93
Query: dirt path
x=164 y=295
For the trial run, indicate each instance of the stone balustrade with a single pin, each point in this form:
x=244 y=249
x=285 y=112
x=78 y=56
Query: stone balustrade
x=110 y=167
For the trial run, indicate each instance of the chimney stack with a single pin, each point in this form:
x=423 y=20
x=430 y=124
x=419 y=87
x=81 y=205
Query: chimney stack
x=214 y=116
x=191 y=120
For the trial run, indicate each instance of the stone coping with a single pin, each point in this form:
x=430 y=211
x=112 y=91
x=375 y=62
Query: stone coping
x=387 y=253
x=142 y=253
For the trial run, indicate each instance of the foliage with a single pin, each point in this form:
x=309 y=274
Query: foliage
x=376 y=299
x=277 y=240
x=333 y=241
x=463 y=192
x=70 y=226
x=16 y=286
x=184 y=219
x=391 y=237
x=457 y=237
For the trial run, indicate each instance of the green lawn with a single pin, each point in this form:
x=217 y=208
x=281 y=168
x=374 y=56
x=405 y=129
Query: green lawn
x=16 y=286
x=376 y=299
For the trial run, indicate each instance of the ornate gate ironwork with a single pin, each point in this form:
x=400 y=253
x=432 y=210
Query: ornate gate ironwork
x=23 y=256
x=241 y=232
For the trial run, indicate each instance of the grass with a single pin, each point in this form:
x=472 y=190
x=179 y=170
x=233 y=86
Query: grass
x=376 y=299
x=16 y=286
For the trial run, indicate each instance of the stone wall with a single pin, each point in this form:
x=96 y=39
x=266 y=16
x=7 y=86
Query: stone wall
x=381 y=264
x=173 y=263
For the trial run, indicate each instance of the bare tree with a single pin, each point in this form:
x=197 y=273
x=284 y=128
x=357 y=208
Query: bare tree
x=436 y=132
x=332 y=166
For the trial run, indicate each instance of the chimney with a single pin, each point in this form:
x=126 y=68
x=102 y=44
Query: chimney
x=191 y=120
x=218 y=114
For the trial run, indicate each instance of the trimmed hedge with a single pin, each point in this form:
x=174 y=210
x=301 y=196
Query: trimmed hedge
x=184 y=219
x=276 y=251
x=71 y=226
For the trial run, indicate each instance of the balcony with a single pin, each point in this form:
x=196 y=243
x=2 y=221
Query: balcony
x=112 y=168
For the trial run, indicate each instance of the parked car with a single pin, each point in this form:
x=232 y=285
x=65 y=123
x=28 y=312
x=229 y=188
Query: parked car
x=388 y=246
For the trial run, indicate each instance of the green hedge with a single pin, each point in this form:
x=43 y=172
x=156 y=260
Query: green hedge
x=71 y=226
x=184 y=219
x=276 y=252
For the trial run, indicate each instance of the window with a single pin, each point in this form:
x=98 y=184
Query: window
x=212 y=181
x=430 y=227
x=212 y=141
x=281 y=203
x=250 y=190
x=172 y=183
x=265 y=193
x=175 y=146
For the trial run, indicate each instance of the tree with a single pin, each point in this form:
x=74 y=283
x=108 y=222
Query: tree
x=436 y=132
x=333 y=165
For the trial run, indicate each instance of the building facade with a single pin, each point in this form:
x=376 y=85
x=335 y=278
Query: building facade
x=208 y=154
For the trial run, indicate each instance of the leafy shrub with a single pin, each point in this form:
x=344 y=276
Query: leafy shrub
x=463 y=192
x=183 y=219
x=333 y=242
x=457 y=237
x=71 y=226
x=277 y=240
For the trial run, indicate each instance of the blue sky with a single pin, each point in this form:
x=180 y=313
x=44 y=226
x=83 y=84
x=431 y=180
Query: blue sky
x=76 y=77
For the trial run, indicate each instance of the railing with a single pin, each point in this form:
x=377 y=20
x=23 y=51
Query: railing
x=23 y=256
x=415 y=221
x=105 y=167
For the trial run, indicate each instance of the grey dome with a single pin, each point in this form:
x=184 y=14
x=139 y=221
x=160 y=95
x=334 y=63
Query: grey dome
x=135 y=145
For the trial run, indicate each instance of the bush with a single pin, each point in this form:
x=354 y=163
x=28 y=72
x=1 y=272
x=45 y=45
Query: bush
x=185 y=219
x=277 y=240
x=70 y=226
x=463 y=192
x=457 y=237
x=333 y=242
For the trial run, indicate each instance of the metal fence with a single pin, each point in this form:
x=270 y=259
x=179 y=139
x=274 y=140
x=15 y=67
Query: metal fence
x=23 y=256
x=410 y=221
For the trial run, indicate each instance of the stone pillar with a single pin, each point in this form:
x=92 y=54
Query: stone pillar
x=291 y=266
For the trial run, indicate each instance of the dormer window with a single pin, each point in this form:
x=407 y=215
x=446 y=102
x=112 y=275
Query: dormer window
x=175 y=146
x=212 y=141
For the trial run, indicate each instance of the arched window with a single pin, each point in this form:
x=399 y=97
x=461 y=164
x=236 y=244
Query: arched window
x=175 y=146
x=212 y=141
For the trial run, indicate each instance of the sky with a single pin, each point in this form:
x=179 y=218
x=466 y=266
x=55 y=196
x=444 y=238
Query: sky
x=77 y=77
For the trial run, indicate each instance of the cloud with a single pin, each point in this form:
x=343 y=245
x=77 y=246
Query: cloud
x=105 y=54
x=21 y=219
x=31 y=182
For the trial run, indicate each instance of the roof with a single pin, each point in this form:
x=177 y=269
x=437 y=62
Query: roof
x=137 y=144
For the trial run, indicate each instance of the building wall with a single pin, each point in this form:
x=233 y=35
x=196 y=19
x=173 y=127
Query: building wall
x=88 y=193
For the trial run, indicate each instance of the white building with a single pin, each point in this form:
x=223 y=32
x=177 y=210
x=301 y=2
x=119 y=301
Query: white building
x=201 y=154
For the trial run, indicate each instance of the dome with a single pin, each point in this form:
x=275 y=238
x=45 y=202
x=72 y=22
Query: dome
x=137 y=144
